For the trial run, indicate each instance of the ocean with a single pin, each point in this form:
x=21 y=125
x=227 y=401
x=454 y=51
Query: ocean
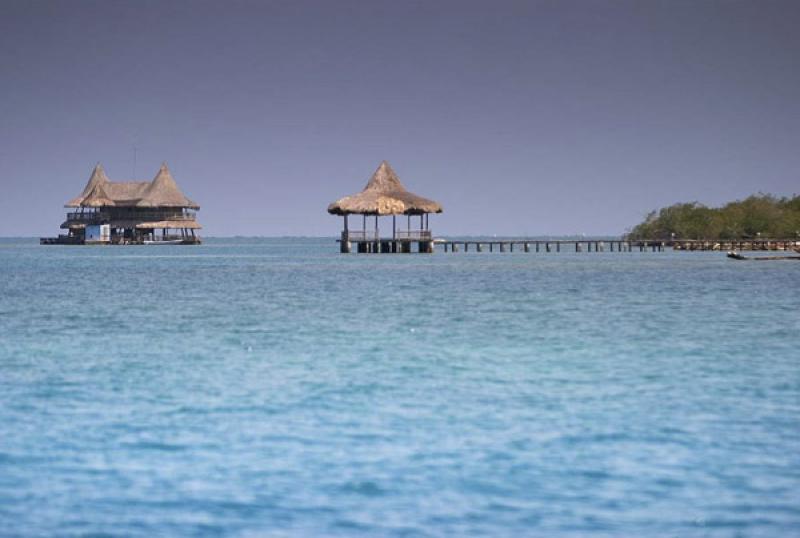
x=273 y=387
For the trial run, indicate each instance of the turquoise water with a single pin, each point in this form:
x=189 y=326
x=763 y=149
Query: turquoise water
x=277 y=388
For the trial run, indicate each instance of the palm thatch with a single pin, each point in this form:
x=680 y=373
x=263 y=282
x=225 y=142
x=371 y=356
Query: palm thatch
x=384 y=195
x=98 y=197
x=163 y=191
x=98 y=177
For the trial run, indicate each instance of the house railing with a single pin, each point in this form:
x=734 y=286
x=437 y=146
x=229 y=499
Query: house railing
x=129 y=215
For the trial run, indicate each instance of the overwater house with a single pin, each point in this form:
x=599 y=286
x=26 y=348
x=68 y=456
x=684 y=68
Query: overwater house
x=385 y=196
x=130 y=213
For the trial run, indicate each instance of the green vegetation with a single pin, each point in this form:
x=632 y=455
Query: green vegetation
x=763 y=214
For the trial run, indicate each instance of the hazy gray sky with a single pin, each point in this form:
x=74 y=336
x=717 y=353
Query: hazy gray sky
x=538 y=117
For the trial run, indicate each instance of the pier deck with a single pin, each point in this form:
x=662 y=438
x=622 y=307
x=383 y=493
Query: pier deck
x=549 y=245
x=406 y=245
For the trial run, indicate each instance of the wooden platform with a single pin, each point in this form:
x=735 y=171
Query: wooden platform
x=554 y=245
x=384 y=246
x=69 y=240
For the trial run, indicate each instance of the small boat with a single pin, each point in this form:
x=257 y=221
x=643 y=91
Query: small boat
x=736 y=256
x=168 y=242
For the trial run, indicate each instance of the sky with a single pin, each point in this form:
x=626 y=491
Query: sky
x=520 y=117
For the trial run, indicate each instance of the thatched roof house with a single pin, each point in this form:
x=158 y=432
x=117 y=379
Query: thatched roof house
x=384 y=195
x=130 y=212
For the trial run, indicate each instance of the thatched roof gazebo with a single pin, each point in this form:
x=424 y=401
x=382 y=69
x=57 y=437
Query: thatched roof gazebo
x=385 y=195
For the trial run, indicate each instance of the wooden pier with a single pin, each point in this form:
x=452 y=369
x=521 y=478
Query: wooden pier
x=422 y=242
x=611 y=245
x=549 y=245
x=735 y=244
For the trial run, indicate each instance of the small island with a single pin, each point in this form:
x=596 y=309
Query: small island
x=757 y=217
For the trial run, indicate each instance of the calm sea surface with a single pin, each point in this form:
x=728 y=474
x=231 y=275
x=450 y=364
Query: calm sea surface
x=276 y=388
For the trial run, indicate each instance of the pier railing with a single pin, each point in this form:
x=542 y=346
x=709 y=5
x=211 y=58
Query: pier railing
x=372 y=235
x=414 y=235
x=359 y=235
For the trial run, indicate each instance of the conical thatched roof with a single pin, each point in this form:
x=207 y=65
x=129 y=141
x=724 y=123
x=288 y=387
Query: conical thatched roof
x=98 y=177
x=384 y=195
x=98 y=197
x=163 y=191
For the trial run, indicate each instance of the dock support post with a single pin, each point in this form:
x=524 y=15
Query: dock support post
x=547 y=246
x=455 y=247
x=490 y=246
x=537 y=246
x=502 y=247
x=527 y=247
x=558 y=246
x=479 y=247
x=466 y=246
x=577 y=246
x=344 y=244
x=512 y=246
